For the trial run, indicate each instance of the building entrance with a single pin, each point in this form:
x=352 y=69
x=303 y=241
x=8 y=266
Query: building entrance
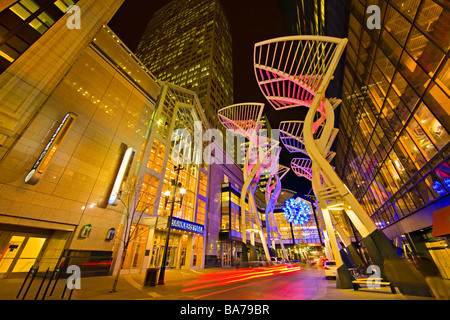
x=19 y=252
x=226 y=255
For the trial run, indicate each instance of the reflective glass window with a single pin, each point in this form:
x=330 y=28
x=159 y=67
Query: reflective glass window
x=433 y=21
x=397 y=25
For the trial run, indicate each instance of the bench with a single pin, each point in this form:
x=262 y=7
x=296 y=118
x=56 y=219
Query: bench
x=380 y=282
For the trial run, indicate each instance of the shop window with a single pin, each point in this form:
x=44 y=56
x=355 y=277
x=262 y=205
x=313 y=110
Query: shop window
x=136 y=247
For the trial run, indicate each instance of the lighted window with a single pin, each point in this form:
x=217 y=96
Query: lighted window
x=203 y=184
x=148 y=195
x=63 y=5
x=155 y=161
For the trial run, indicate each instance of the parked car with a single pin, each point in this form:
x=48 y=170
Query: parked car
x=330 y=269
x=276 y=260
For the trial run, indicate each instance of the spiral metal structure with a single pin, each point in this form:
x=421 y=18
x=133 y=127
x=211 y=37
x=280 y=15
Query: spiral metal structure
x=293 y=72
x=245 y=119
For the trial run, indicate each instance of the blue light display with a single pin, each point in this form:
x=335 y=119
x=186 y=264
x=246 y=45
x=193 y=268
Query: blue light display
x=439 y=188
x=297 y=211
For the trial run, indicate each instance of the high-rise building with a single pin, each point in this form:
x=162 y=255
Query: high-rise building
x=188 y=43
x=393 y=144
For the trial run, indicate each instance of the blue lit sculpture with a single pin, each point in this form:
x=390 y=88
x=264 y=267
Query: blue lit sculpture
x=297 y=211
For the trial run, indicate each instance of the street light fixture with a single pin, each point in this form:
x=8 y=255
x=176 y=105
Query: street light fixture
x=177 y=169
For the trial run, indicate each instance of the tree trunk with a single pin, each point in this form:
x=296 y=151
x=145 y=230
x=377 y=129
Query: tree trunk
x=122 y=261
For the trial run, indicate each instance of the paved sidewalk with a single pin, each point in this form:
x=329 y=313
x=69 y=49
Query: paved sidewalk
x=130 y=287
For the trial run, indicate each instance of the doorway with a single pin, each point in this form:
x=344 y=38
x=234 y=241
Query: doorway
x=226 y=255
x=19 y=252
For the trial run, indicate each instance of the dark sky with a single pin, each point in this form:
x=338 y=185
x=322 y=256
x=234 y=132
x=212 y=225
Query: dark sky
x=251 y=21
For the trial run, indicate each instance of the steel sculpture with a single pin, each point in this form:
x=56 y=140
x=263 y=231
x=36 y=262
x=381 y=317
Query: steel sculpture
x=295 y=71
x=245 y=119
x=272 y=193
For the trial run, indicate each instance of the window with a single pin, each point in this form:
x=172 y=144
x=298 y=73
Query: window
x=148 y=195
x=156 y=159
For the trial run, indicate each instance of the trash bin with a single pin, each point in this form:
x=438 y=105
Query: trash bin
x=150 y=277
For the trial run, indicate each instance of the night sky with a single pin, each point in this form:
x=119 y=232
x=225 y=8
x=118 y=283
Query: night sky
x=251 y=21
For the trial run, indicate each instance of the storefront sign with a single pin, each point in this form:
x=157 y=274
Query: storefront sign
x=184 y=225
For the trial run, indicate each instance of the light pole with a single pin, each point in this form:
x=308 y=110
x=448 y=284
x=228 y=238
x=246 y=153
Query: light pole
x=177 y=169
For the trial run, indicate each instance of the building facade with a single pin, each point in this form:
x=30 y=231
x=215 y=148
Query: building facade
x=55 y=160
x=188 y=43
x=87 y=154
x=393 y=143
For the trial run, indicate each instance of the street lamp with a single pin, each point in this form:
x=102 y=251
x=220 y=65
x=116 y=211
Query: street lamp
x=177 y=169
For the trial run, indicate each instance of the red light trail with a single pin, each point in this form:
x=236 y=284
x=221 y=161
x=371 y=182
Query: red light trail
x=221 y=278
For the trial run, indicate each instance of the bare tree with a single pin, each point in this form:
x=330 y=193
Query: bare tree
x=134 y=203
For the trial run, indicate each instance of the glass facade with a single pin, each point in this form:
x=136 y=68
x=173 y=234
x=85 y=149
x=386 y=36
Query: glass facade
x=23 y=23
x=189 y=44
x=393 y=145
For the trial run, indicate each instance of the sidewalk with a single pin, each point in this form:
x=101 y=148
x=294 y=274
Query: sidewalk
x=131 y=287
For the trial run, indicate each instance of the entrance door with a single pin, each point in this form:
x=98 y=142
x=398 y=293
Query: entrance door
x=19 y=255
x=226 y=255
x=171 y=257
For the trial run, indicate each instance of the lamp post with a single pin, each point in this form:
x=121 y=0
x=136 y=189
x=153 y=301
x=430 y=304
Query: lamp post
x=177 y=169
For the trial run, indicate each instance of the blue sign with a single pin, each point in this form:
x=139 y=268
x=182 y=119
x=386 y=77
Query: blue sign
x=184 y=225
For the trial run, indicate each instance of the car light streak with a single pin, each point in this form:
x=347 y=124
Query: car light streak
x=229 y=277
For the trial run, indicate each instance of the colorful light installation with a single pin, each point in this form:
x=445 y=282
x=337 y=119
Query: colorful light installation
x=297 y=211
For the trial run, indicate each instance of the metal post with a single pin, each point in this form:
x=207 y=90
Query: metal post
x=42 y=283
x=50 y=281
x=71 y=291
x=177 y=168
x=24 y=281
x=29 y=285
x=58 y=270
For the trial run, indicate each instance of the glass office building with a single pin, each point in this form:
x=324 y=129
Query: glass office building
x=393 y=144
x=188 y=43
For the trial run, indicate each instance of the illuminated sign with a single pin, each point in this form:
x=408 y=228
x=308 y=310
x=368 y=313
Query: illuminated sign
x=184 y=225
x=49 y=151
x=121 y=176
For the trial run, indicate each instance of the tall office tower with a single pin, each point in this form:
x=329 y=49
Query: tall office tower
x=188 y=43
x=393 y=143
x=322 y=18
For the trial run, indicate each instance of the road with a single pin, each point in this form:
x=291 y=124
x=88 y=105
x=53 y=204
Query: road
x=269 y=283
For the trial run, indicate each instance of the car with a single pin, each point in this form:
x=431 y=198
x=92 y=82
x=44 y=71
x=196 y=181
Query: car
x=276 y=260
x=330 y=269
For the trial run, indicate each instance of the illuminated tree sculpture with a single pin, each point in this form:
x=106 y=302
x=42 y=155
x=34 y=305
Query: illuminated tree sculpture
x=245 y=119
x=295 y=71
x=272 y=193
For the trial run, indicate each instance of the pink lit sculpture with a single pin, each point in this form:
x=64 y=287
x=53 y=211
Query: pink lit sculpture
x=293 y=72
